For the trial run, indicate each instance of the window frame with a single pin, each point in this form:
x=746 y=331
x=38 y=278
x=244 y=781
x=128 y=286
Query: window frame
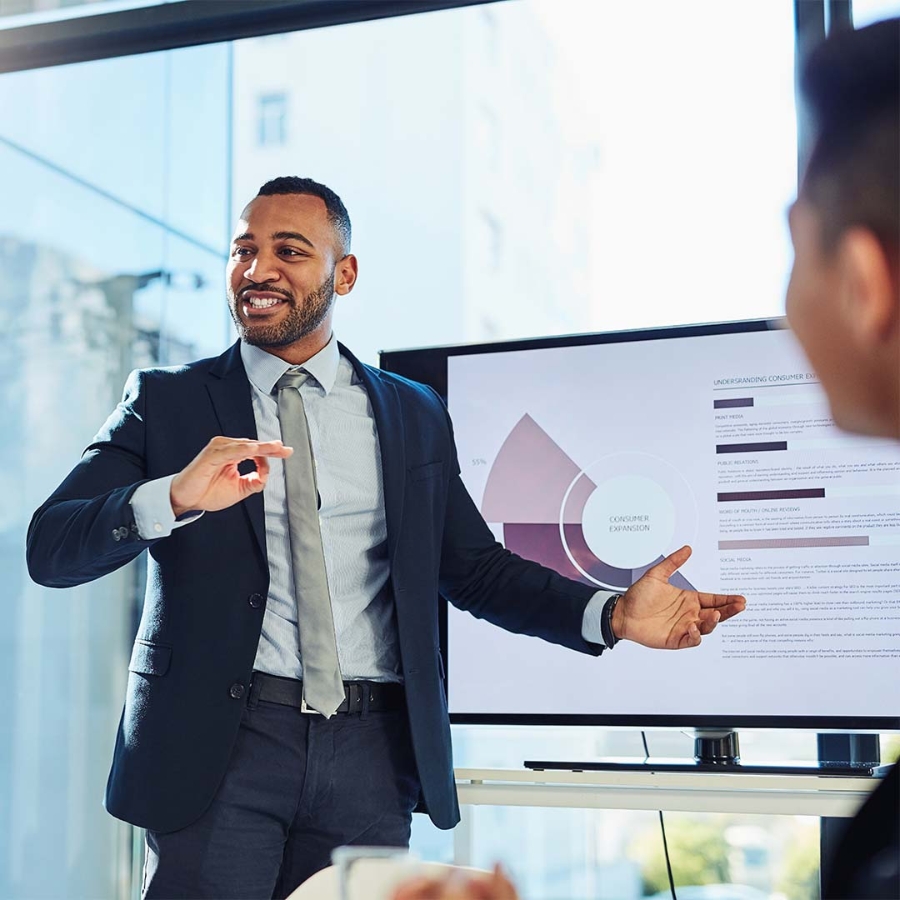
x=188 y=23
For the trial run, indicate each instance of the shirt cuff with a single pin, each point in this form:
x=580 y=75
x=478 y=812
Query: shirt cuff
x=590 y=624
x=152 y=508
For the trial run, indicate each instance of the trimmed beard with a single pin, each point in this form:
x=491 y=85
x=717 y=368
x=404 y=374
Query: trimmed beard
x=301 y=320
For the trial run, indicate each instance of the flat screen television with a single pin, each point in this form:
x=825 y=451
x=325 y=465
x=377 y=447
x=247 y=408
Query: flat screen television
x=599 y=454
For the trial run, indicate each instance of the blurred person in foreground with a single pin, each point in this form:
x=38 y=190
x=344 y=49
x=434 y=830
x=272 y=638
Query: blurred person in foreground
x=843 y=303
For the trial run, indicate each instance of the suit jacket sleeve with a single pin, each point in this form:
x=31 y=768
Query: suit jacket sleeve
x=479 y=575
x=86 y=528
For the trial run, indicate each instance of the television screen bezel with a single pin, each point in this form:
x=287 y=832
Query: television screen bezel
x=428 y=365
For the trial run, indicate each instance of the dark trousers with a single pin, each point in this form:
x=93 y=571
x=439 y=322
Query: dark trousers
x=297 y=786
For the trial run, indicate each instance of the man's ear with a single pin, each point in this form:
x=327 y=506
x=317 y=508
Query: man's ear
x=345 y=274
x=868 y=288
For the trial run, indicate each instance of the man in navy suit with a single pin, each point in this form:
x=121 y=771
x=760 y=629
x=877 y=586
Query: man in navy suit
x=242 y=787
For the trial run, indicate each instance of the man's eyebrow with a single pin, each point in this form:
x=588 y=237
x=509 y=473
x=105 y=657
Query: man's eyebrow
x=292 y=236
x=277 y=236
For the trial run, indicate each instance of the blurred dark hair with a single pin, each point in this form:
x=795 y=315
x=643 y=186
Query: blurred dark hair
x=851 y=83
x=337 y=212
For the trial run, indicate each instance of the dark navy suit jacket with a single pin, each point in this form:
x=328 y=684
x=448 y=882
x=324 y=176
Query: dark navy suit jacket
x=207 y=582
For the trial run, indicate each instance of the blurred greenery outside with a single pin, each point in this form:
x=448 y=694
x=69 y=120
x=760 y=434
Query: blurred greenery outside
x=701 y=854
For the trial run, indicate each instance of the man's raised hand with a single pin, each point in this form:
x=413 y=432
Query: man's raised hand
x=211 y=480
x=657 y=614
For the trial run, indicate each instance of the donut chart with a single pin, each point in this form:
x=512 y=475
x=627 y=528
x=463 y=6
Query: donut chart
x=604 y=525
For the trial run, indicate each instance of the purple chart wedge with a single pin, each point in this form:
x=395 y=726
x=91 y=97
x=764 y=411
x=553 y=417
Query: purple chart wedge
x=604 y=525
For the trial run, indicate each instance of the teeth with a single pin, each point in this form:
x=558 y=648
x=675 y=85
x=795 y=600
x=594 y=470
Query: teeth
x=259 y=303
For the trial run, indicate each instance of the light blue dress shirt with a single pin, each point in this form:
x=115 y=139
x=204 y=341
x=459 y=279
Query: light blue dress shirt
x=351 y=518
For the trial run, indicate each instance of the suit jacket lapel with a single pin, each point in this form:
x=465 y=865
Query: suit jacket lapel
x=230 y=393
x=389 y=425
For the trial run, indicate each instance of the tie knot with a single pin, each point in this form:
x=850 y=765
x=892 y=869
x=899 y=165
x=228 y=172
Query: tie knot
x=293 y=378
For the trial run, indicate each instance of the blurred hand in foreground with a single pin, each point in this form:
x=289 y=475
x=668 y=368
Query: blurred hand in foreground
x=459 y=885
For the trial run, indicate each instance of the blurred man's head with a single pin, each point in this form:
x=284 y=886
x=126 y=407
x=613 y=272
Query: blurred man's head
x=844 y=296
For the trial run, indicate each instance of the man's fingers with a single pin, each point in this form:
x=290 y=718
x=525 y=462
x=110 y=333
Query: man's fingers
x=732 y=609
x=728 y=605
x=709 y=618
x=671 y=564
x=262 y=467
x=221 y=451
x=253 y=482
x=691 y=638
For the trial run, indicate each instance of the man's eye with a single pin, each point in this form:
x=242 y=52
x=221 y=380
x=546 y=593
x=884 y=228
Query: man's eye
x=290 y=251
x=240 y=252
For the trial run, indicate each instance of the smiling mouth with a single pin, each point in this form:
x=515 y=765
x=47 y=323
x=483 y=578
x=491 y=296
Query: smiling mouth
x=261 y=303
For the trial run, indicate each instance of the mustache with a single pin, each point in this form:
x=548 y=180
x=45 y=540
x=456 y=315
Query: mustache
x=263 y=288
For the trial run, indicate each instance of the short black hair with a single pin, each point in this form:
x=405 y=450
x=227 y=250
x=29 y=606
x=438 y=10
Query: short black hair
x=851 y=83
x=337 y=212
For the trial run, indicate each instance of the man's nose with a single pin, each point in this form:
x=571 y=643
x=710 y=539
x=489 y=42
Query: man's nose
x=262 y=269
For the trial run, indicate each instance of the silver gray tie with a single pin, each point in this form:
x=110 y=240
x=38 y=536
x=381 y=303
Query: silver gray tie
x=322 y=686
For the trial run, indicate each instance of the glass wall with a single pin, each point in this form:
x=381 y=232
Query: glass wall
x=518 y=169
x=570 y=854
x=111 y=238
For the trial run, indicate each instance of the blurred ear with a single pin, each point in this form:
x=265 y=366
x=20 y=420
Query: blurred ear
x=868 y=288
x=345 y=274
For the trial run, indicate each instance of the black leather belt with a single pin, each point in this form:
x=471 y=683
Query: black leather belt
x=359 y=696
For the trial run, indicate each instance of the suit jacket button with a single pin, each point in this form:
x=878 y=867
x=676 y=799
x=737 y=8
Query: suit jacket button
x=237 y=690
x=255 y=600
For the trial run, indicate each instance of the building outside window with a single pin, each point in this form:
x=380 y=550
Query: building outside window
x=272 y=120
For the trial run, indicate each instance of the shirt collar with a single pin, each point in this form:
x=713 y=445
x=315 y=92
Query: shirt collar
x=263 y=369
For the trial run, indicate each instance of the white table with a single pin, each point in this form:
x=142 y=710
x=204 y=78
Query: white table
x=794 y=795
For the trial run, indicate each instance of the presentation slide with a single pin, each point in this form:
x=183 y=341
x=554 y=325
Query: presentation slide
x=599 y=460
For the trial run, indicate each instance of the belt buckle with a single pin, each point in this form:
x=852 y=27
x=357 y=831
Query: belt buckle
x=304 y=708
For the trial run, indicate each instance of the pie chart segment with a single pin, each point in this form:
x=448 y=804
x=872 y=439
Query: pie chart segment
x=530 y=477
x=604 y=525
